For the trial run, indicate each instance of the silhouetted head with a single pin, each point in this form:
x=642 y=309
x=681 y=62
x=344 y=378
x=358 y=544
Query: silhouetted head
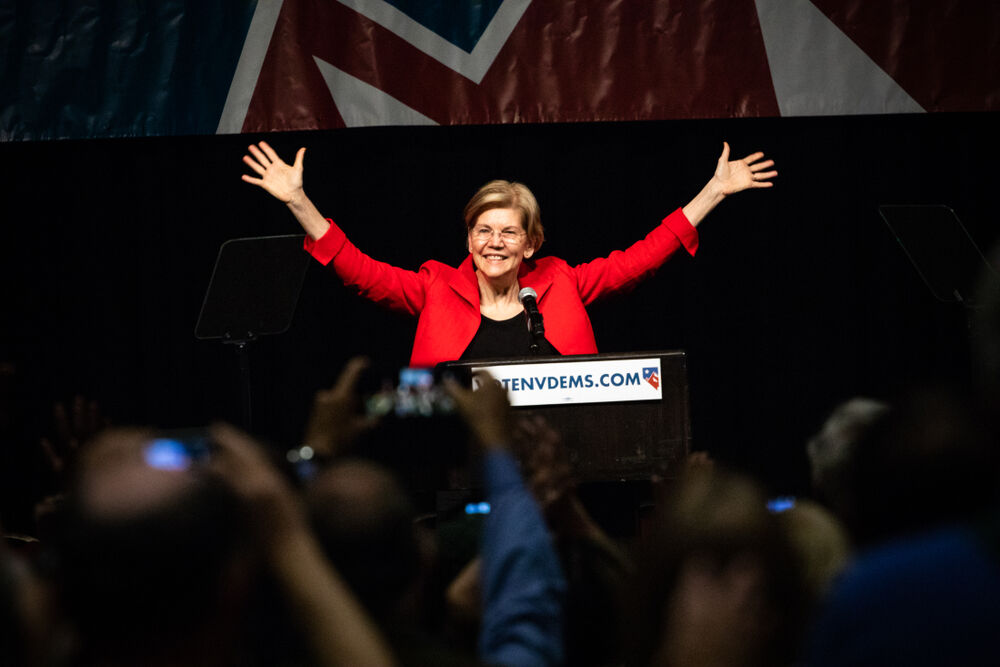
x=719 y=574
x=819 y=543
x=365 y=522
x=148 y=556
x=832 y=453
x=928 y=462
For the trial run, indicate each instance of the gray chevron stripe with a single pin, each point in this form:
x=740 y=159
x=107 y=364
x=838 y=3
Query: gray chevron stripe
x=818 y=71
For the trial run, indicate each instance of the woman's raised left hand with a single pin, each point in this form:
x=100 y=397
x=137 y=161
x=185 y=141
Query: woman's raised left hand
x=738 y=175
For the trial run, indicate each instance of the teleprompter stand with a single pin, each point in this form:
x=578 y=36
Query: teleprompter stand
x=253 y=292
x=941 y=250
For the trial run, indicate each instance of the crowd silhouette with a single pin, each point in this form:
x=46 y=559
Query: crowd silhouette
x=139 y=547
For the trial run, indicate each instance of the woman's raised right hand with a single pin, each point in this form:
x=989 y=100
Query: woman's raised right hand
x=282 y=180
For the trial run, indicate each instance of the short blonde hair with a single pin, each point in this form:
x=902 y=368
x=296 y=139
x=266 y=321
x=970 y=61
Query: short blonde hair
x=507 y=194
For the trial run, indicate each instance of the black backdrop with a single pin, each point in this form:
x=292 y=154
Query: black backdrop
x=799 y=296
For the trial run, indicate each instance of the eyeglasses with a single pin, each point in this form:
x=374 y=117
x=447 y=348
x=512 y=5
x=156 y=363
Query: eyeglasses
x=508 y=236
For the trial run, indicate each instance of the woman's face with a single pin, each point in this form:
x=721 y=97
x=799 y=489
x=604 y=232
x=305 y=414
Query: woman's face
x=498 y=243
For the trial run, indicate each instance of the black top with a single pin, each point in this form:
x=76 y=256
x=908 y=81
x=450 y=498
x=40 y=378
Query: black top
x=504 y=338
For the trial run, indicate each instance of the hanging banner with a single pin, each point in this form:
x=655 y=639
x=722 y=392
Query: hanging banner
x=406 y=62
x=87 y=68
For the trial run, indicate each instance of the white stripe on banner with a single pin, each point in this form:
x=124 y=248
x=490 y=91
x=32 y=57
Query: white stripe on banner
x=364 y=105
x=817 y=70
x=605 y=381
x=265 y=17
x=472 y=66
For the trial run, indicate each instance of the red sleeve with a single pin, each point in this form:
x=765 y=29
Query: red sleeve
x=623 y=269
x=380 y=282
x=327 y=246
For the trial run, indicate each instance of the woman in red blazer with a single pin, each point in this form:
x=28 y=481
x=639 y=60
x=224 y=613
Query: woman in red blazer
x=472 y=311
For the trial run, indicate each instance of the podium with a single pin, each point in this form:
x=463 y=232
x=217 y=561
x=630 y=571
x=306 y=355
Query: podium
x=622 y=417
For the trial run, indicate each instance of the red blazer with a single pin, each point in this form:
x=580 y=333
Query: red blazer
x=446 y=299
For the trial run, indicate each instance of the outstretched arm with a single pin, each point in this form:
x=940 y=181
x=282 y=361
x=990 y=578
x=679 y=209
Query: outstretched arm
x=730 y=177
x=333 y=621
x=381 y=282
x=284 y=182
x=522 y=582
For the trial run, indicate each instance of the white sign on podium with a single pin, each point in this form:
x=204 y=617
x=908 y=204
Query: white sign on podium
x=565 y=382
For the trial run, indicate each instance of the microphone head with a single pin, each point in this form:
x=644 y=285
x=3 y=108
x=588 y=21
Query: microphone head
x=526 y=292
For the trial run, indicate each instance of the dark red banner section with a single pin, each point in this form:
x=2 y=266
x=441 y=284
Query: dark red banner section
x=562 y=61
x=945 y=54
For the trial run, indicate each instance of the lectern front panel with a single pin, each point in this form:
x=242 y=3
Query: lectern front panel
x=628 y=440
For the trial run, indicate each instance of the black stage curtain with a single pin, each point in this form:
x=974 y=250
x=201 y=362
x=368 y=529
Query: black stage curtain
x=799 y=297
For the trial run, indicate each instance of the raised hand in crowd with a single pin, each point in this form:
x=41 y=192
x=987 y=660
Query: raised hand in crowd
x=337 y=418
x=335 y=623
x=522 y=582
x=485 y=410
x=596 y=568
x=544 y=461
x=71 y=426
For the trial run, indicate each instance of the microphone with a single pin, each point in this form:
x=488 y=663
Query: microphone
x=529 y=299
